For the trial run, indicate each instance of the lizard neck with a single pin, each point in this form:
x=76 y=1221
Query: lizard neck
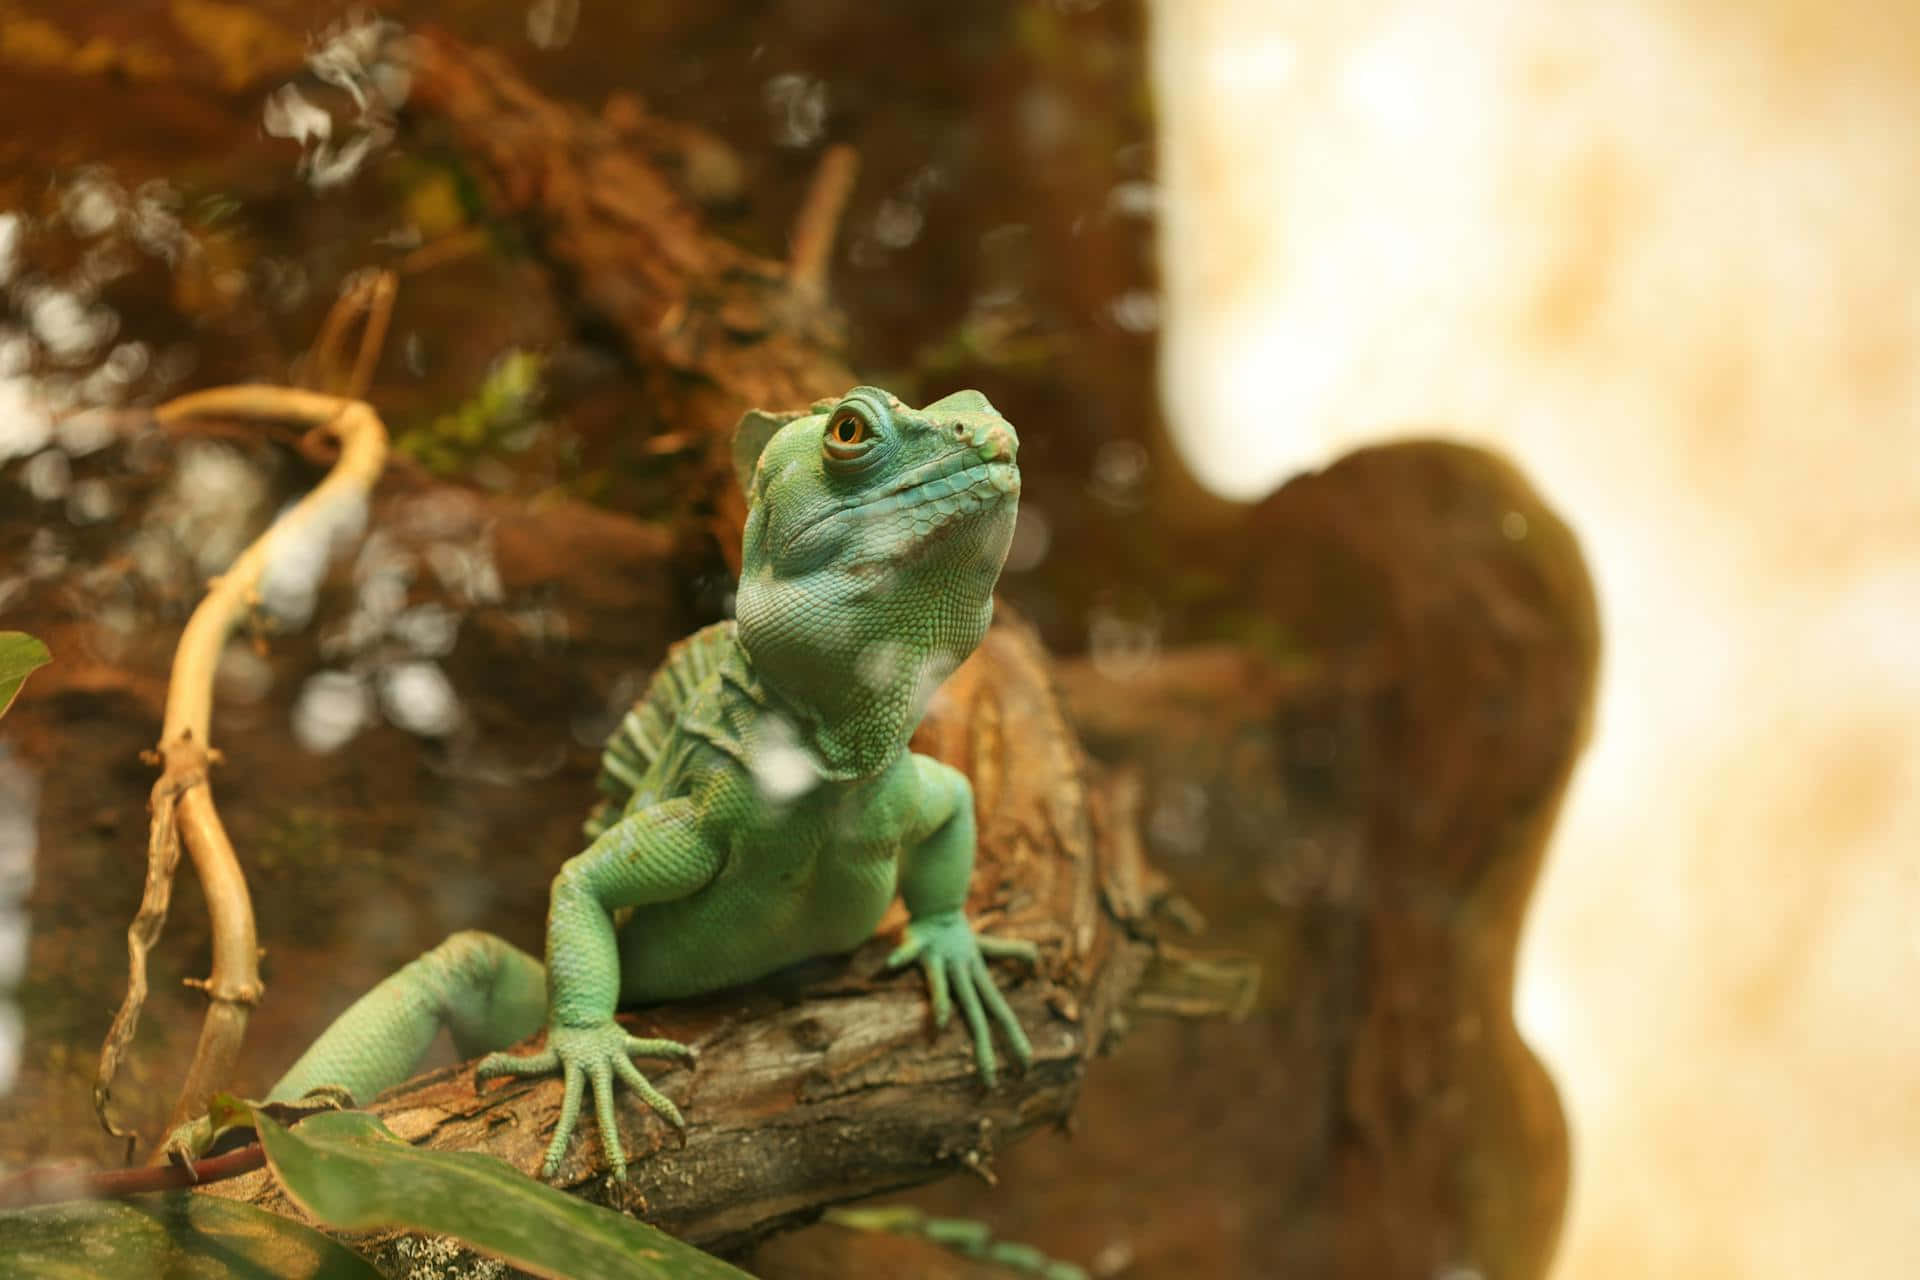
x=854 y=655
x=856 y=725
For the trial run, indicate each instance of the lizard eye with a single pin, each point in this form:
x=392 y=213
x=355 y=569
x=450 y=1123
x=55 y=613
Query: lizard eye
x=848 y=433
x=849 y=429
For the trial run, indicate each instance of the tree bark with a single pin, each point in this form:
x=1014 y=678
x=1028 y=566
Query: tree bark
x=712 y=329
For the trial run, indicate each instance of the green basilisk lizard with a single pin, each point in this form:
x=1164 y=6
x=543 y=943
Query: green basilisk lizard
x=761 y=806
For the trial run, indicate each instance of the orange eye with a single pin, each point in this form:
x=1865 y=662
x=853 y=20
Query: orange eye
x=848 y=428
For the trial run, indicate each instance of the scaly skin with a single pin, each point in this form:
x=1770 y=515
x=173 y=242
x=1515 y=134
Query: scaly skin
x=767 y=808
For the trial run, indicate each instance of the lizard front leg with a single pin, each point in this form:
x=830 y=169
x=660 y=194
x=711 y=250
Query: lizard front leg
x=655 y=854
x=934 y=874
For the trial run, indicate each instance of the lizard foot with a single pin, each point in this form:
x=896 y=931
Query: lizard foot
x=594 y=1054
x=954 y=959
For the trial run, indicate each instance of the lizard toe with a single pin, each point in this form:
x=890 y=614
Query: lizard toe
x=510 y=1064
x=569 y=1117
x=639 y=1048
x=638 y=1082
x=1009 y=948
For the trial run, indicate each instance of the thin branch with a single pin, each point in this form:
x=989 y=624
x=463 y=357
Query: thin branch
x=163 y=857
x=818 y=223
x=367 y=295
x=375 y=297
x=439 y=252
x=50 y=1186
x=182 y=803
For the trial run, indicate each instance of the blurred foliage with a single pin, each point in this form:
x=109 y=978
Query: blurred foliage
x=349 y=1171
x=965 y=1236
x=20 y=656
x=500 y=418
x=1005 y=339
x=305 y=837
x=174 y=1233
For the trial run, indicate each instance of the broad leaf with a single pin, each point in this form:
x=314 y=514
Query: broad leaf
x=20 y=656
x=349 y=1171
x=176 y=1234
x=228 y=1114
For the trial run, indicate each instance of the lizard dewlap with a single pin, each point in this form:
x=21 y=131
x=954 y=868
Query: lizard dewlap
x=759 y=804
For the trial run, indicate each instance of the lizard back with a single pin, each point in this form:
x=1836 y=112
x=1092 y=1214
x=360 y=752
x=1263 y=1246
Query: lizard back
x=642 y=734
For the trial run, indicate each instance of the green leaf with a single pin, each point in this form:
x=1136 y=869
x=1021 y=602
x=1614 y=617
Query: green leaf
x=176 y=1234
x=349 y=1171
x=20 y=656
x=227 y=1114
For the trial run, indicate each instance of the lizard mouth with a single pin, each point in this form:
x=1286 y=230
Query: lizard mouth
x=949 y=492
x=961 y=462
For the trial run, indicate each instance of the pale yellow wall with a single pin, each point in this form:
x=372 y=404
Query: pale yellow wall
x=1668 y=257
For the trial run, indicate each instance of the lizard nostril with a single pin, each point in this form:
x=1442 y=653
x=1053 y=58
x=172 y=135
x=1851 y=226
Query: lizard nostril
x=959 y=431
x=997 y=446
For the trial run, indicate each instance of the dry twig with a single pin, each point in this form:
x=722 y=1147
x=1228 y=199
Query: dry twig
x=818 y=222
x=182 y=800
x=367 y=296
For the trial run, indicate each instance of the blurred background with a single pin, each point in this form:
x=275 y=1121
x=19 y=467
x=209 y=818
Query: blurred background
x=1661 y=257
x=1667 y=257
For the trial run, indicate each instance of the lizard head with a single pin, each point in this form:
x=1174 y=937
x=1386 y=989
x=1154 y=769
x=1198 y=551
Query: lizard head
x=875 y=534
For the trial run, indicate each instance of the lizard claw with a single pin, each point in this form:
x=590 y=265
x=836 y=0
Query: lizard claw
x=954 y=961
x=907 y=951
x=592 y=1055
x=1008 y=948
